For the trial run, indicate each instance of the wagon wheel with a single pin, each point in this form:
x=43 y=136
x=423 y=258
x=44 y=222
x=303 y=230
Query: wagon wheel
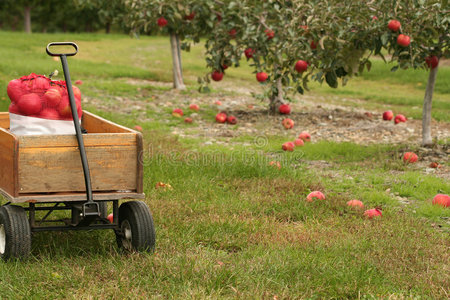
x=137 y=231
x=15 y=233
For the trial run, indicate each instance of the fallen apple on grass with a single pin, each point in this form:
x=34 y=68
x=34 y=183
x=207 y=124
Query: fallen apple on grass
x=434 y=165
x=218 y=102
x=288 y=123
x=231 y=120
x=373 y=213
x=177 y=112
x=399 y=119
x=194 y=107
x=355 y=203
x=388 y=115
x=162 y=185
x=315 y=195
x=288 y=146
x=299 y=143
x=221 y=117
x=138 y=128
x=78 y=82
x=442 y=200
x=110 y=218
x=188 y=120
x=410 y=157
x=275 y=164
x=305 y=136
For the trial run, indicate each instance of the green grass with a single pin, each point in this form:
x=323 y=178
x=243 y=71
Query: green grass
x=233 y=226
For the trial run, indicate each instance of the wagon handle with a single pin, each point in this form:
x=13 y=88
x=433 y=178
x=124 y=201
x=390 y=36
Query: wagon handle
x=90 y=208
x=61 y=44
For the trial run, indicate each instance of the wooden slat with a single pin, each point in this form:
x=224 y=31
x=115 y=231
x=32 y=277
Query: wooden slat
x=60 y=170
x=69 y=197
x=140 y=163
x=90 y=140
x=8 y=162
x=4 y=120
x=96 y=124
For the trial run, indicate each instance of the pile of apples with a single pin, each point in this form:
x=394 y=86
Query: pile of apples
x=40 y=97
x=389 y=115
x=303 y=138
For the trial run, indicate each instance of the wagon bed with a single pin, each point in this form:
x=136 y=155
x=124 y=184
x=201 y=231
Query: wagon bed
x=47 y=168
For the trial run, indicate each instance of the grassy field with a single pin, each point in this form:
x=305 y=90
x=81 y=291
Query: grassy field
x=233 y=226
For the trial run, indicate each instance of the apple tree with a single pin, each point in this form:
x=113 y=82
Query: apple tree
x=416 y=35
x=183 y=20
x=290 y=42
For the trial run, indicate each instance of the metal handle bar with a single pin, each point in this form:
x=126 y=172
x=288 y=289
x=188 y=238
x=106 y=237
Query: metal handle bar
x=62 y=44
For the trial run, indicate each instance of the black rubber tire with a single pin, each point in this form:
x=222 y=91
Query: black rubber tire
x=137 y=218
x=103 y=208
x=17 y=232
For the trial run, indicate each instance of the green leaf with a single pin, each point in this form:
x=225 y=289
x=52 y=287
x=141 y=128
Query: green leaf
x=394 y=69
x=331 y=79
x=300 y=90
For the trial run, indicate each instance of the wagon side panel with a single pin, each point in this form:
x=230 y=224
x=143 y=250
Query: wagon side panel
x=52 y=164
x=9 y=151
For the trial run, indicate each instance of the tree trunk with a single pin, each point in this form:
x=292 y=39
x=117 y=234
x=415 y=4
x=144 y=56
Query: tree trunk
x=108 y=27
x=426 y=113
x=27 y=18
x=176 y=60
x=276 y=99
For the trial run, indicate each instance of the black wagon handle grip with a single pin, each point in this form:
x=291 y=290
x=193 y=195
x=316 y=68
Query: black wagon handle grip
x=61 y=44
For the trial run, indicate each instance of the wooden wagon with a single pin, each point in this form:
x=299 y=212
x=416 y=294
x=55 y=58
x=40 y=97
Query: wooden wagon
x=44 y=173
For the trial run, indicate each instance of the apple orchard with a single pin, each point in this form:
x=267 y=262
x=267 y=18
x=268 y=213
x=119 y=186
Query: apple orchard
x=290 y=43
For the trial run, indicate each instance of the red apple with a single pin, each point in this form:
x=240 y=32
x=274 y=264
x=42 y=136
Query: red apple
x=288 y=123
x=261 y=76
x=49 y=114
x=52 y=97
x=13 y=109
x=190 y=17
x=14 y=90
x=399 y=119
x=355 y=203
x=188 y=120
x=41 y=83
x=270 y=34
x=224 y=67
x=284 y=109
x=410 y=157
x=275 y=164
x=162 y=22
x=373 y=213
x=218 y=102
x=442 y=200
x=434 y=165
x=78 y=82
x=64 y=109
x=432 y=61
x=403 y=40
x=177 y=112
x=315 y=195
x=232 y=33
x=299 y=143
x=76 y=92
x=313 y=45
x=194 y=106
x=231 y=120
x=374 y=18
x=394 y=25
x=110 y=218
x=217 y=75
x=29 y=104
x=138 y=128
x=388 y=115
x=221 y=117
x=288 y=146
x=249 y=52
x=301 y=66
x=305 y=136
